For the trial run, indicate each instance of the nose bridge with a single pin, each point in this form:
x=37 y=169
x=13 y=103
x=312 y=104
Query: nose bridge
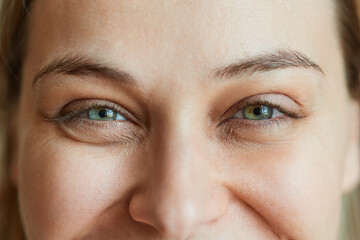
x=179 y=178
x=179 y=146
x=175 y=198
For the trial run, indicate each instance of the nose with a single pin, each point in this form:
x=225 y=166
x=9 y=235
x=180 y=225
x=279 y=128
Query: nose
x=181 y=194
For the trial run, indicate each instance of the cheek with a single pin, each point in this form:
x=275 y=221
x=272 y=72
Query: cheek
x=293 y=186
x=63 y=184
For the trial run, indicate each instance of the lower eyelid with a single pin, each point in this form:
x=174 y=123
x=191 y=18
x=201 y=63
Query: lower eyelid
x=86 y=130
x=246 y=124
x=95 y=123
x=236 y=131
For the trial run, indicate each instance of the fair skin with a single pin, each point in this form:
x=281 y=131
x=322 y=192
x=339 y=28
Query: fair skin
x=181 y=161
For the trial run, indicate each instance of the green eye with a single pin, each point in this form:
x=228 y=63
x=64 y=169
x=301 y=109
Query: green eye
x=257 y=112
x=103 y=114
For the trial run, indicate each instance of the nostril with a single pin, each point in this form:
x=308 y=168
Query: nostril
x=141 y=213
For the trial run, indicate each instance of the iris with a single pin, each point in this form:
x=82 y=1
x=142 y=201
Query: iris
x=103 y=114
x=257 y=112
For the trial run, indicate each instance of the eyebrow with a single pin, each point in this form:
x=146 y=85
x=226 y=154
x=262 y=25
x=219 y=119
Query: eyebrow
x=79 y=65
x=280 y=59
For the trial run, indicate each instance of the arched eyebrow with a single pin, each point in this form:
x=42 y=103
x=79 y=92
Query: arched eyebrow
x=79 y=65
x=280 y=59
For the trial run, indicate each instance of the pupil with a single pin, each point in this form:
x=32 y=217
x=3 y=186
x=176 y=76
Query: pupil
x=102 y=113
x=257 y=111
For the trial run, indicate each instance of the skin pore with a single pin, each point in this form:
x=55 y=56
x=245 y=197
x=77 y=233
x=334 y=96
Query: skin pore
x=177 y=158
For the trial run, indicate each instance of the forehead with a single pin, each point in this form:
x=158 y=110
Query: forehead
x=204 y=33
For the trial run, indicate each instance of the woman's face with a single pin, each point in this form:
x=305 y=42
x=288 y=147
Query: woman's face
x=184 y=120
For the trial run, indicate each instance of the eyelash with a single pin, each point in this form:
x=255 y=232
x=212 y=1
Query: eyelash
x=102 y=104
x=259 y=124
x=234 y=122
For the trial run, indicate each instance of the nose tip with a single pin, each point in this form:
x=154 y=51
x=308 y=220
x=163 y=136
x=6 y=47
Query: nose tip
x=173 y=222
x=177 y=214
x=178 y=223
